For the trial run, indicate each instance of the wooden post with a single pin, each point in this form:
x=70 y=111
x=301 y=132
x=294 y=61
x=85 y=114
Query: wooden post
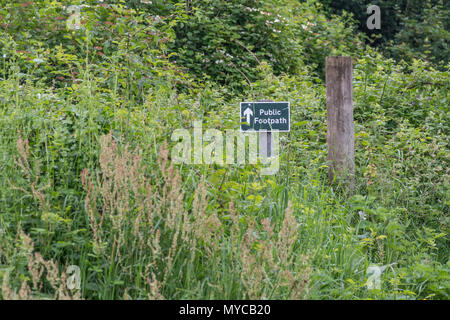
x=340 y=128
x=265 y=142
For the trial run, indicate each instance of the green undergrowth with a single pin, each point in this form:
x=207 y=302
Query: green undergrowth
x=86 y=177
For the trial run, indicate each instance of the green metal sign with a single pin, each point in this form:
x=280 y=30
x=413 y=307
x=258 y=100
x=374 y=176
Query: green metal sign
x=265 y=116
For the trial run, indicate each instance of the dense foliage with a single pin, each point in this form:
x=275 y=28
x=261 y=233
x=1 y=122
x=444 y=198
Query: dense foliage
x=86 y=117
x=409 y=28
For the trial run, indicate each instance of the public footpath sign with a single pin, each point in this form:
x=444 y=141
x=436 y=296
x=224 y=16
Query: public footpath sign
x=265 y=116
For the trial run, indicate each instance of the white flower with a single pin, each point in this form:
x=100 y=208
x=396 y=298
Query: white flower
x=362 y=215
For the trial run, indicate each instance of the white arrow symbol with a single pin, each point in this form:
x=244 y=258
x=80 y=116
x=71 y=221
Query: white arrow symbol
x=248 y=112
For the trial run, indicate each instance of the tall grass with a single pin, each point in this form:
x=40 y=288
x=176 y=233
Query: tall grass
x=148 y=244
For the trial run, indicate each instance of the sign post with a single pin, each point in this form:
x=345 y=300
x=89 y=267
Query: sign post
x=340 y=127
x=264 y=117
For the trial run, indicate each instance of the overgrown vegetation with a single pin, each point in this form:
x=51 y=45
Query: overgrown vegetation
x=411 y=29
x=86 y=117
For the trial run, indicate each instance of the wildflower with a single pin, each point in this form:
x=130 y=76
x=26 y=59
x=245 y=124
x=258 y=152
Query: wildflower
x=362 y=215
